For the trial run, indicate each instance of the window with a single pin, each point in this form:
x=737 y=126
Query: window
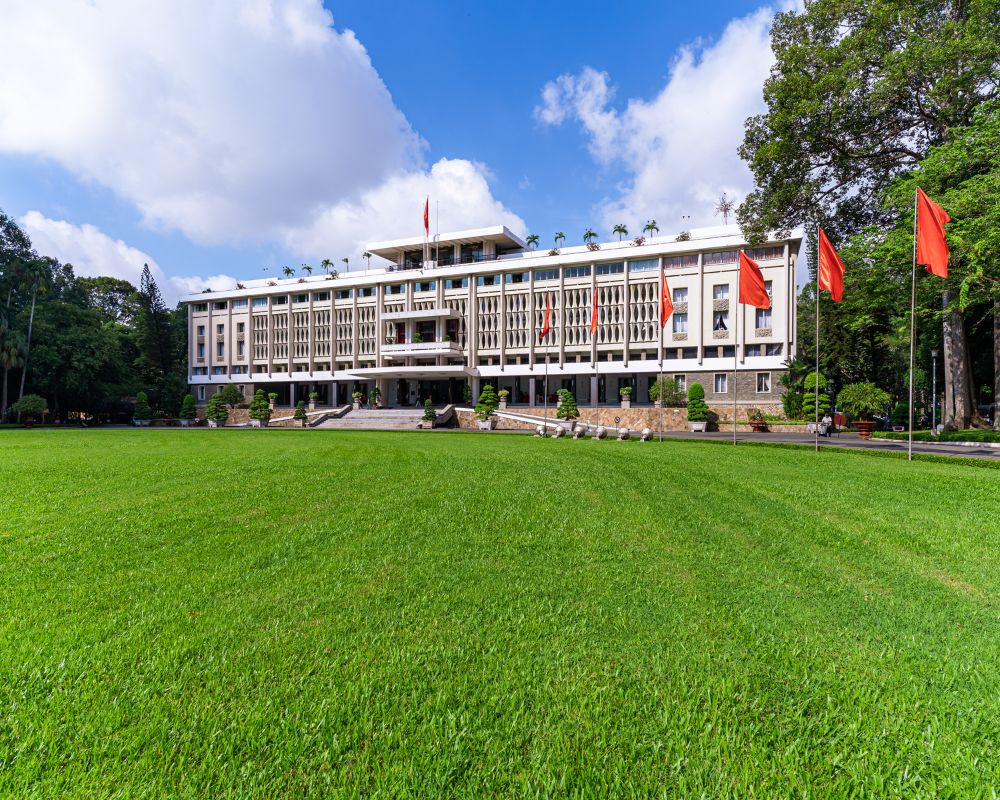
x=280 y=301
x=546 y=275
x=366 y=291
x=200 y=307
x=721 y=383
x=720 y=321
x=677 y=262
x=720 y=257
x=201 y=392
x=643 y=265
x=680 y=294
x=720 y=291
x=201 y=330
x=260 y=302
x=300 y=298
x=577 y=272
x=681 y=382
x=395 y=288
x=219 y=305
x=767 y=253
x=456 y=283
x=680 y=323
x=220 y=349
x=763 y=383
x=488 y=280
x=762 y=319
x=516 y=277
x=220 y=330
x=342 y=294
x=425 y=286
x=614 y=268
x=239 y=303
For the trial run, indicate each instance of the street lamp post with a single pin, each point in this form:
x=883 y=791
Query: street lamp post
x=934 y=353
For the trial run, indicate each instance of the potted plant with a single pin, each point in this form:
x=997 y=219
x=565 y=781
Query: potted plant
x=626 y=395
x=216 y=413
x=272 y=398
x=313 y=397
x=188 y=412
x=503 y=394
x=861 y=402
x=300 y=412
x=486 y=408
x=429 y=416
x=567 y=410
x=356 y=396
x=755 y=417
x=260 y=410
x=697 y=408
x=141 y=412
x=30 y=407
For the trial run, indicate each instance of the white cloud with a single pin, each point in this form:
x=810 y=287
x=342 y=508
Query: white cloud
x=456 y=187
x=678 y=148
x=92 y=253
x=226 y=120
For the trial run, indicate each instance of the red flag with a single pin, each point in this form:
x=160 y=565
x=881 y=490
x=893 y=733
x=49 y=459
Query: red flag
x=545 y=324
x=666 y=304
x=932 y=247
x=593 y=314
x=427 y=216
x=831 y=269
x=753 y=292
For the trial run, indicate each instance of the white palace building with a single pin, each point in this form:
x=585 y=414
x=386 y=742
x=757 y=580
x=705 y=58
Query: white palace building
x=467 y=310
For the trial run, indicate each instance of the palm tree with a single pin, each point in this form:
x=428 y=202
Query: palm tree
x=589 y=235
x=621 y=230
x=559 y=237
x=650 y=227
x=532 y=241
x=11 y=357
x=288 y=271
x=307 y=269
x=36 y=273
x=327 y=265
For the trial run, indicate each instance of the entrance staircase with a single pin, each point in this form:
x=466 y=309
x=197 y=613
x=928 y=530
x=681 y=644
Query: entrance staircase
x=377 y=419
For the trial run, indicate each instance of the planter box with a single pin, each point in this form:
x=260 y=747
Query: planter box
x=698 y=427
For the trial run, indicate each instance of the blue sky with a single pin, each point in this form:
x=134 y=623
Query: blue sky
x=218 y=144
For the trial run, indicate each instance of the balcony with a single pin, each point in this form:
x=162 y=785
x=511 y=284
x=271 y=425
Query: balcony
x=421 y=349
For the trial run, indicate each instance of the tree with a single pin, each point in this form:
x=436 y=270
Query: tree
x=859 y=94
x=650 y=227
x=532 y=241
x=621 y=230
x=567 y=408
x=142 y=410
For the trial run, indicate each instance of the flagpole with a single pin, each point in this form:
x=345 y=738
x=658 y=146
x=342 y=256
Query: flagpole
x=736 y=348
x=913 y=326
x=816 y=395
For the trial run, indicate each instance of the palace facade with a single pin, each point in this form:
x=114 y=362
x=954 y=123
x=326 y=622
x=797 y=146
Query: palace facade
x=443 y=319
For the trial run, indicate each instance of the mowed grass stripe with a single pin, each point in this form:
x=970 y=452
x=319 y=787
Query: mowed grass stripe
x=288 y=613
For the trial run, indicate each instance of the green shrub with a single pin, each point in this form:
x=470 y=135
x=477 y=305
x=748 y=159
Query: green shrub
x=259 y=408
x=142 y=409
x=187 y=407
x=429 y=413
x=809 y=400
x=32 y=406
x=667 y=389
x=217 y=408
x=862 y=400
x=488 y=402
x=567 y=405
x=697 y=407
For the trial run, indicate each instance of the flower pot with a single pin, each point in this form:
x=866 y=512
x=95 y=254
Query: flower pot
x=697 y=427
x=865 y=427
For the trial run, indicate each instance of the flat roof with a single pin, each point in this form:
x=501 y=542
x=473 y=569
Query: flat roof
x=500 y=234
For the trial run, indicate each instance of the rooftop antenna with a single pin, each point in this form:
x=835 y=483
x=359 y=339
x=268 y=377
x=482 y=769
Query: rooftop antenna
x=725 y=207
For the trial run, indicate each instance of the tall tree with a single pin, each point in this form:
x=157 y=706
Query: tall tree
x=860 y=92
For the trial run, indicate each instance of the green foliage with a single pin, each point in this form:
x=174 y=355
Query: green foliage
x=259 y=408
x=429 y=413
x=300 y=410
x=862 y=400
x=673 y=397
x=31 y=406
x=217 y=409
x=188 y=410
x=488 y=402
x=567 y=408
x=696 y=405
x=142 y=409
x=809 y=401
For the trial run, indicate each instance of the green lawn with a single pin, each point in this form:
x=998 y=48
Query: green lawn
x=309 y=613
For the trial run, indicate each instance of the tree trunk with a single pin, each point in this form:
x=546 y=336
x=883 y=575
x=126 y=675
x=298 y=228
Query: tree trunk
x=996 y=364
x=959 y=407
x=27 y=347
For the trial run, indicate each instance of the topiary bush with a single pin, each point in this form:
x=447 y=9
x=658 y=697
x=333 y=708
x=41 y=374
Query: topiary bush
x=488 y=402
x=217 y=410
x=809 y=401
x=142 y=409
x=567 y=409
x=697 y=407
x=259 y=409
x=187 y=408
